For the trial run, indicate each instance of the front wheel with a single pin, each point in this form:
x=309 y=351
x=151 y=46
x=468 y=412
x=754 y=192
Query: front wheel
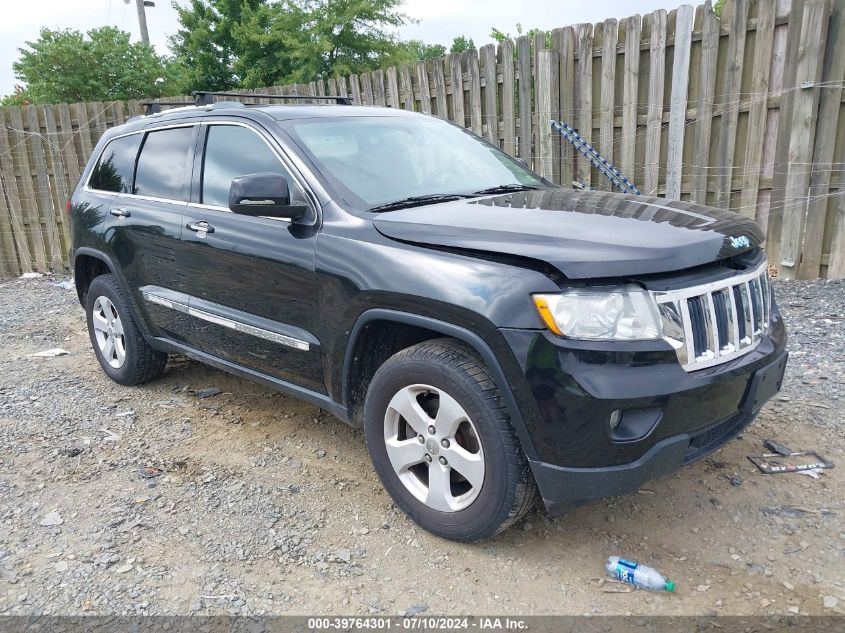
x=442 y=443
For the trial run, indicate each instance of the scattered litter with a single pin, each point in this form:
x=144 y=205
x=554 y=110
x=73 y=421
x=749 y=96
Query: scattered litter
x=815 y=473
x=124 y=414
x=416 y=609
x=736 y=480
x=777 y=447
x=30 y=276
x=776 y=462
x=207 y=393
x=148 y=472
x=125 y=567
x=638 y=575
x=50 y=353
x=112 y=437
x=801 y=547
x=51 y=519
x=64 y=285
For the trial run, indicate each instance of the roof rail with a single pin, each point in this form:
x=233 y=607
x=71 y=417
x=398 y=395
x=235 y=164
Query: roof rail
x=204 y=97
x=154 y=107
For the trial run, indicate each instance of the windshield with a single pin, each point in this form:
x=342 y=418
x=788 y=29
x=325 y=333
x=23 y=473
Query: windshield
x=375 y=161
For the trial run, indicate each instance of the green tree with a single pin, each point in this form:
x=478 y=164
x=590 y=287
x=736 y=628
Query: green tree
x=461 y=43
x=225 y=43
x=102 y=65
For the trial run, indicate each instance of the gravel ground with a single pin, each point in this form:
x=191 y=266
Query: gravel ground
x=150 y=500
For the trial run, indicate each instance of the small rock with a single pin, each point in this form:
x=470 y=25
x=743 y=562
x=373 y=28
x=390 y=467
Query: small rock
x=61 y=566
x=830 y=602
x=703 y=587
x=416 y=609
x=207 y=392
x=527 y=526
x=184 y=529
x=343 y=555
x=71 y=451
x=52 y=518
x=794 y=610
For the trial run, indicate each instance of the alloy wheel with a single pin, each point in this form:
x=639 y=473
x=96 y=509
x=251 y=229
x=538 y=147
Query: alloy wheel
x=434 y=448
x=108 y=330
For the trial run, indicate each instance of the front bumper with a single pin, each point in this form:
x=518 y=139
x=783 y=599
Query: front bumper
x=670 y=417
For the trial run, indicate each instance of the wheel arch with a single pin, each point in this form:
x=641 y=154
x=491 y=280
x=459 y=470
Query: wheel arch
x=89 y=263
x=428 y=328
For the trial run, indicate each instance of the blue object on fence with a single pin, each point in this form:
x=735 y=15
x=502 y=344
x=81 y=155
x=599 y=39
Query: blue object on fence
x=598 y=161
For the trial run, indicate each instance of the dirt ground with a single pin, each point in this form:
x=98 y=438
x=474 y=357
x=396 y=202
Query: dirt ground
x=263 y=504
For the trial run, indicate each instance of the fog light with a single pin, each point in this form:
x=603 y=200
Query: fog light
x=615 y=418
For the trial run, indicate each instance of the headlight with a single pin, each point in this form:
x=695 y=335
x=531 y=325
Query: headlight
x=607 y=313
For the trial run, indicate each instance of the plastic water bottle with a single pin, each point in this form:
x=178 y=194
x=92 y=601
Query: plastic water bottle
x=637 y=575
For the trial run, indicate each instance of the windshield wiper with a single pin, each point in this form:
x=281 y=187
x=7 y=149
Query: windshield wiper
x=506 y=189
x=414 y=201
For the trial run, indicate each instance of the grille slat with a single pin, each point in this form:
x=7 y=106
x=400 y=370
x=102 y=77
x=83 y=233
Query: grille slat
x=721 y=320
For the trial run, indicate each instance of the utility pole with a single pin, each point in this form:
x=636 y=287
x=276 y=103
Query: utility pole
x=142 y=18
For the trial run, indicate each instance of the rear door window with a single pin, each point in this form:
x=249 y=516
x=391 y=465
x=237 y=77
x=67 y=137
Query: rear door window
x=113 y=171
x=164 y=164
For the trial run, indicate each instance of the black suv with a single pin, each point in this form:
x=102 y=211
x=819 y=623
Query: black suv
x=495 y=335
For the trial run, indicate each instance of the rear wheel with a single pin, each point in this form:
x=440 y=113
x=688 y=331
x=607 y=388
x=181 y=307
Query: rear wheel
x=442 y=443
x=118 y=344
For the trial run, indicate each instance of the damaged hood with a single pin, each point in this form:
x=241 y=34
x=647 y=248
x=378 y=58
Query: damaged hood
x=581 y=233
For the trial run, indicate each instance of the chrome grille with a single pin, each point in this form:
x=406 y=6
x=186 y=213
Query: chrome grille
x=716 y=322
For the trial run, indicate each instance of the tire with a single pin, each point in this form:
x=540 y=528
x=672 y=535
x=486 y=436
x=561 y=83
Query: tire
x=129 y=360
x=448 y=383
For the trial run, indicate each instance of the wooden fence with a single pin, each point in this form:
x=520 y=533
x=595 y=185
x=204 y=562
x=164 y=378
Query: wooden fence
x=743 y=111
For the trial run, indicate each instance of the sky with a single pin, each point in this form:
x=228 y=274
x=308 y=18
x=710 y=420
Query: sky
x=438 y=20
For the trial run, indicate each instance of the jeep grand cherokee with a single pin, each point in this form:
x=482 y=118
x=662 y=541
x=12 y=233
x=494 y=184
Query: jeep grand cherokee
x=495 y=335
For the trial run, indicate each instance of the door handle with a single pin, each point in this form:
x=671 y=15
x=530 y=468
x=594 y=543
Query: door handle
x=120 y=212
x=200 y=227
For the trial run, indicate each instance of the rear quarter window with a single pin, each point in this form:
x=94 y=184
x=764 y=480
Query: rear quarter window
x=164 y=165
x=113 y=171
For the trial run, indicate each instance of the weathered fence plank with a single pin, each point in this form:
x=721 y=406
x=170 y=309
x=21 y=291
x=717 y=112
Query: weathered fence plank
x=654 y=122
x=547 y=101
x=704 y=107
x=523 y=51
x=584 y=93
x=609 y=35
x=803 y=127
x=505 y=59
x=758 y=112
x=678 y=107
x=457 y=77
x=629 y=32
x=830 y=105
x=490 y=114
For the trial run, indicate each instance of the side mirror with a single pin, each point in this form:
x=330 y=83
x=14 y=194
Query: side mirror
x=264 y=194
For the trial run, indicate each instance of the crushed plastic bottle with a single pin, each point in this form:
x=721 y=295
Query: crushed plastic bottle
x=638 y=575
